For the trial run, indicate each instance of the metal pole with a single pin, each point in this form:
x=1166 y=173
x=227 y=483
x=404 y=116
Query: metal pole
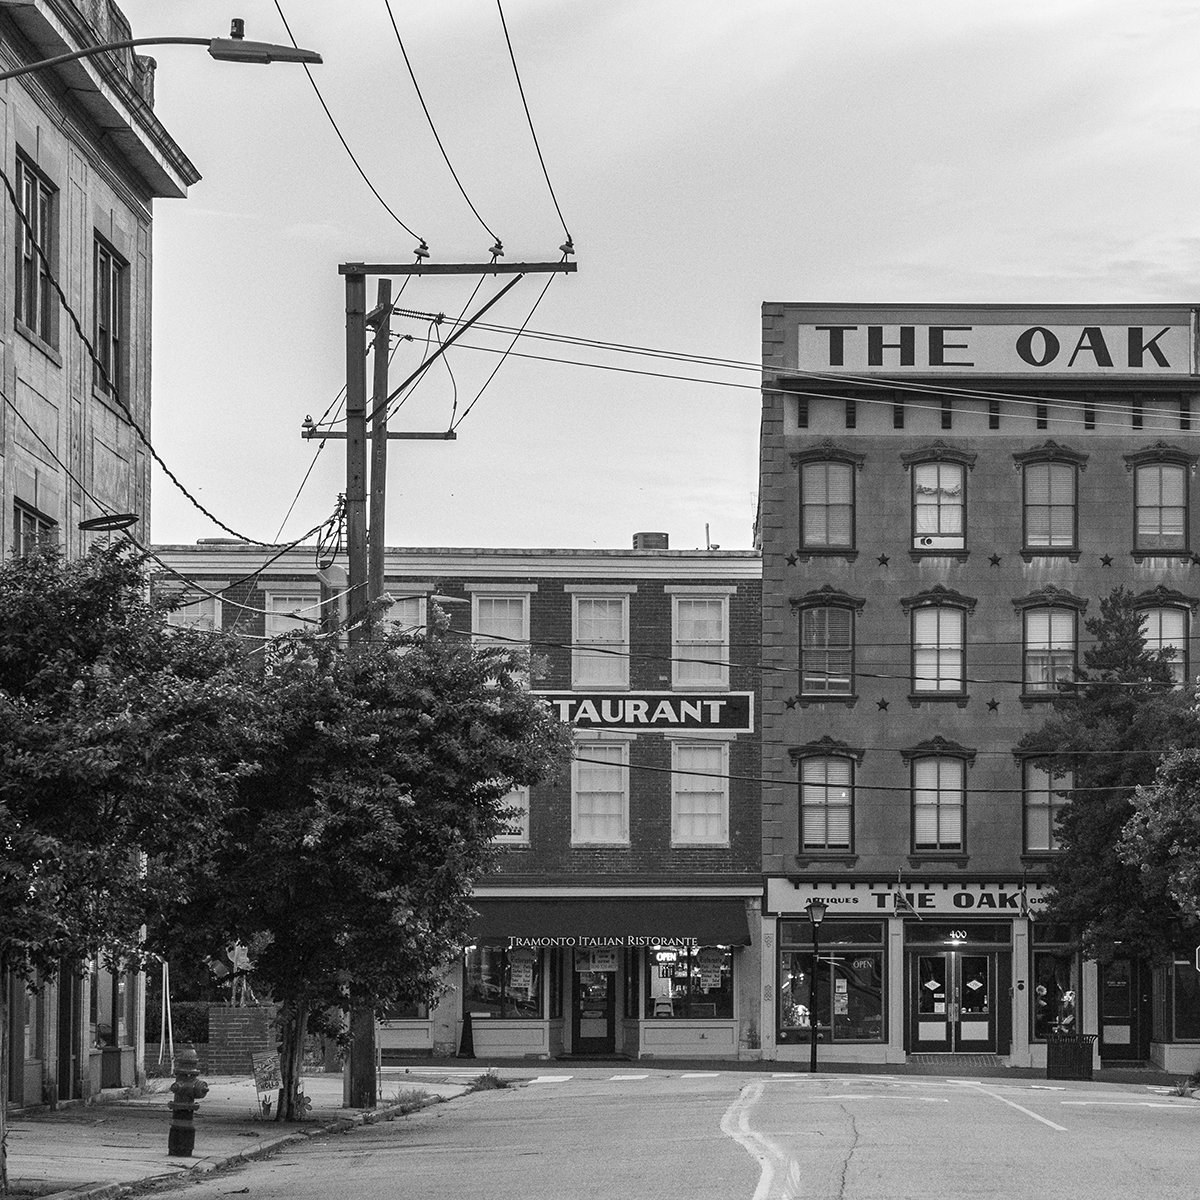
x=356 y=449
x=812 y=997
x=376 y=538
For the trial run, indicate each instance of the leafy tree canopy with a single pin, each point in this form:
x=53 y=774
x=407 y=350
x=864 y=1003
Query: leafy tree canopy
x=1111 y=727
x=354 y=847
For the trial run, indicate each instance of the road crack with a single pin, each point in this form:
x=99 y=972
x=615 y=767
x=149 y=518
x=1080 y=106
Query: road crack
x=841 y=1191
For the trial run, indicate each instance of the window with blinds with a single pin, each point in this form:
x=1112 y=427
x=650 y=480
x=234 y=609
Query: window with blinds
x=1049 y=648
x=827 y=505
x=938 y=652
x=1166 y=629
x=600 y=653
x=826 y=803
x=1050 y=505
x=1161 y=507
x=827 y=651
x=1044 y=800
x=939 y=506
x=938 y=803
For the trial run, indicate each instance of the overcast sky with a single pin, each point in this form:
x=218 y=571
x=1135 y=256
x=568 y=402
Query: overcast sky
x=707 y=156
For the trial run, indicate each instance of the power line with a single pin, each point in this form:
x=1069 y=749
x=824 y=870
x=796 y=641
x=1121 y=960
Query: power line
x=568 y=248
x=346 y=145
x=497 y=248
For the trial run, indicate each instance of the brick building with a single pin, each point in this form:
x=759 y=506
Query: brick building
x=84 y=158
x=620 y=919
x=947 y=492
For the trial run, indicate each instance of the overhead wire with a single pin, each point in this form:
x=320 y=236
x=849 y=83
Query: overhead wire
x=569 y=247
x=433 y=129
x=109 y=383
x=341 y=138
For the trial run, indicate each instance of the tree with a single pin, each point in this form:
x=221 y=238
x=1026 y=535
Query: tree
x=1162 y=838
x=352 y=850
x=1111 y=727
x=120 y=741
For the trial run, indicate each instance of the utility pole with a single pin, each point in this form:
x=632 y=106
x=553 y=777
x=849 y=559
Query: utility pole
x=366 y=550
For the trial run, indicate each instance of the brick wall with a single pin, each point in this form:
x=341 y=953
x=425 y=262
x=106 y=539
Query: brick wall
x=236 y=1033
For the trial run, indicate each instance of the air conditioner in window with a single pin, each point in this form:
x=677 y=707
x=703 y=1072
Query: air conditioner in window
x=942 y=542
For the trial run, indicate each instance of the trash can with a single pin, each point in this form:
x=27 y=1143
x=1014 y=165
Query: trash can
x=1069 y=1055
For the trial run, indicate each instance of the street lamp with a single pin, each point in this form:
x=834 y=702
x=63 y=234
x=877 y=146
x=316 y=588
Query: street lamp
x=234 y=48
x=816 y=914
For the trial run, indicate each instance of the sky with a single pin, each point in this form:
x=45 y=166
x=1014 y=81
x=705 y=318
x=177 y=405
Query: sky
x=706 y=157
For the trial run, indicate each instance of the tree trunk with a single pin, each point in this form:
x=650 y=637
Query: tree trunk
x=4 y=986
x=293 y=1020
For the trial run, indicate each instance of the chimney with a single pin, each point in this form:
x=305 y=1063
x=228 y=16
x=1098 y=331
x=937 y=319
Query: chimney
x=650 y=541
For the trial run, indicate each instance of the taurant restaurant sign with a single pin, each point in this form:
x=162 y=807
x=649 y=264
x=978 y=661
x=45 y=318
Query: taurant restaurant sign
x=730 y=712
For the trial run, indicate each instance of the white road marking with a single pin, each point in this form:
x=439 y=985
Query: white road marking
x=1128 y=1104
x=550 y=1079
x=615 y=1077
x=735 y=1124
x=701 y=1075
x=1019 y=1107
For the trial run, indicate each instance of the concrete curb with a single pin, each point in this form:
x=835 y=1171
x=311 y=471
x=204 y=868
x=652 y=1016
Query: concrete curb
x=342 y=1124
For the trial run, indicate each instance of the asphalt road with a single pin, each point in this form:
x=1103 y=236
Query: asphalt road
x=629 y=1134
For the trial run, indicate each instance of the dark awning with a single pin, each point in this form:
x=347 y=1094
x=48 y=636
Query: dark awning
x=713 y=922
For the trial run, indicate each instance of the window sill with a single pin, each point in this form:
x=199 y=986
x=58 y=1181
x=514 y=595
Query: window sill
x=810 y=858
x=916 y=699
x=109 y=400
x=1034 y=858
x=1175 y=555
x=812 y=701
x=35 y=339
x=960 y=555
x=677 y=845
x=804 y=553
x=1028 y=554
x=955 y=858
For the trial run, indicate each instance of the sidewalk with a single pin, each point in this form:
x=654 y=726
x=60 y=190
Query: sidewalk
x=100 y=1150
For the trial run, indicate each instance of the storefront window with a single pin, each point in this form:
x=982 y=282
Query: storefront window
x=499 y=982
x=1055 y=982
x=695 y=982
x=843 y=992
x=1187 y=1002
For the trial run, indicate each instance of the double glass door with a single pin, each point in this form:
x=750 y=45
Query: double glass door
x=953 y=1003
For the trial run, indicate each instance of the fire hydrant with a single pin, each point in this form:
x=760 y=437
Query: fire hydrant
x=188 y=1090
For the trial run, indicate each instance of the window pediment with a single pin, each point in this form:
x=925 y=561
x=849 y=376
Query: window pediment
x=828 y=451
x=1160 y=452
x=938 y=451
x=827 y=597
x=1051 y=451
x=1051 y=597
x=1165 y=597
x=939 y=747
x=826 y=747
x=938 y=596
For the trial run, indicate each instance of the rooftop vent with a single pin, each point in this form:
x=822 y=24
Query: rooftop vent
x=650 y=541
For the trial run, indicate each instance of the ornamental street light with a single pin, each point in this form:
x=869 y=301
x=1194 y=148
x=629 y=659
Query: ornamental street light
x=816 y=914
x=234 y=48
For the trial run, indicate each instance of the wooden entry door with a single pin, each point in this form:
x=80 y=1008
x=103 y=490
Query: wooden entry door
x=953 y=1002
x=593 y=1009
x=1125 y=1009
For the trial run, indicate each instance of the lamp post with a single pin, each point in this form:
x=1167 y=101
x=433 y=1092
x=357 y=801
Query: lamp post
x=234 y=48
x=816 y=914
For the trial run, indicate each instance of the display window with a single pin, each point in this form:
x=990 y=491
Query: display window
x=689 y=982
x=842 y=990
x=1055 y=974
x=500 y=982
x=1187 y=1001
x=405 y=1011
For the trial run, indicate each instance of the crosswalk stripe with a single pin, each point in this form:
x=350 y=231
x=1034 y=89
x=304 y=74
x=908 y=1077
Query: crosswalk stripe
x=629 y=1077
x=700 y=1075
x=550 y=1079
